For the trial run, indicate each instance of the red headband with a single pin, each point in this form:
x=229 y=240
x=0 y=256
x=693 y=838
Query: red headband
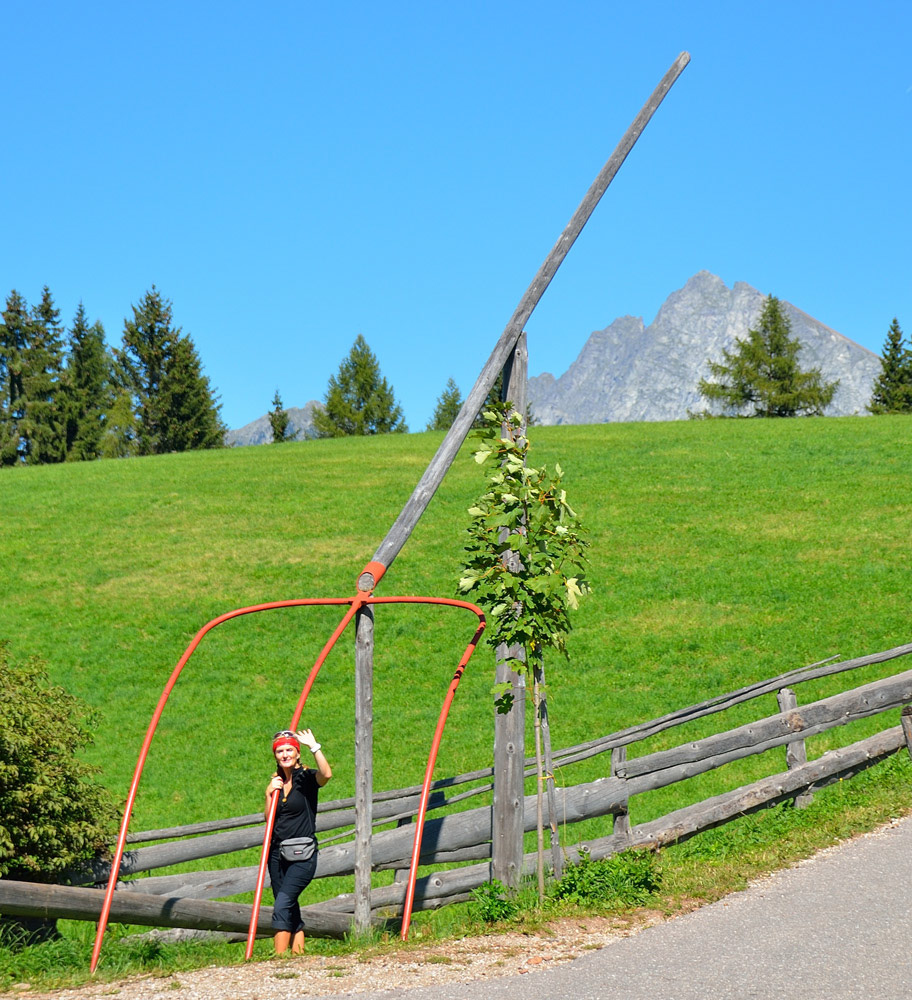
x=286 y=741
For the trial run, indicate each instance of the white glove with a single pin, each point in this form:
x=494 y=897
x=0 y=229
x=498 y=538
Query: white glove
x=308 y=740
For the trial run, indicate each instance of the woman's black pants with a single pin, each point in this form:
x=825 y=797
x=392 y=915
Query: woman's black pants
x=289 y=879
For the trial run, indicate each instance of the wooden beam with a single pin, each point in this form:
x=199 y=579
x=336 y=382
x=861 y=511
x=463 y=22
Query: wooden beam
x=906 y=719
x=757 y=737
x=721 y=703
x=427 y=486
x=835 y=765
x=606 y=795
x=339 y=813
x=621 y=819
x=32 y=899
x=667 y=829
x=510 y=727
x=796 y=750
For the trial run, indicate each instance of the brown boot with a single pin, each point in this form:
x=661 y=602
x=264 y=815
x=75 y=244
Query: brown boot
x=282 y=941
x=297 y=943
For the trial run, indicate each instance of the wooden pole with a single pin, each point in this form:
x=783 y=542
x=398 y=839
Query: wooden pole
x=402 y=874
x=510 y=727
x=540 y=779
x=364 y=762
x=620 y=819
x=77 y=903
x=905 y=717
x=796 y=751
x=427 y=486
x=553 y=817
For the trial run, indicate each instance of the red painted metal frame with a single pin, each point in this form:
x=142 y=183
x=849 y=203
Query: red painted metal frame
x=355 y=603
x=432 y=758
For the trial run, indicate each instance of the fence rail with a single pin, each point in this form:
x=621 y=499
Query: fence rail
x=184 y=899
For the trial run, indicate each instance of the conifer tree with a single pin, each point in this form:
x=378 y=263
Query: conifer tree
x=43 y=425
x=89 y=388
x=449 y=403
x=190 y=413
x=762 y=375
x=14 y=337
x=893 y=386
x=148 y=341
x=359 y=400
x=174 y=403
x=278 y=420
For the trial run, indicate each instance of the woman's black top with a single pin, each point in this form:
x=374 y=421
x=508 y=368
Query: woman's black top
x=296 y=815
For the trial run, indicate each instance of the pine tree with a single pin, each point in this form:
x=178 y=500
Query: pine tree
x=190 y=413
x=449 y=403
x=14 y=338
x=175 y=407
x=278 y=420
x=89 y=388
x=893 y=386
x=359 y=400
x=148 y=342
x=43 y=425
x=762 y=374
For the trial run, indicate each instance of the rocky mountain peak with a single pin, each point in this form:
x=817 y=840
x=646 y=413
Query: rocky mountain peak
x=630 y=371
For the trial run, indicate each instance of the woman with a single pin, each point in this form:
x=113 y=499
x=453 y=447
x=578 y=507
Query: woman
x=292 y=868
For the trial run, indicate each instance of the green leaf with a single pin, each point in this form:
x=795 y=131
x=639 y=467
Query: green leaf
x=574 y=593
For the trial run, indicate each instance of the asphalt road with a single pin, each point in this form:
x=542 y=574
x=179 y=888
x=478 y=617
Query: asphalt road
x=837 y=926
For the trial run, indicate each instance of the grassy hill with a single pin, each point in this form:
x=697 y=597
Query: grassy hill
x=722 y=552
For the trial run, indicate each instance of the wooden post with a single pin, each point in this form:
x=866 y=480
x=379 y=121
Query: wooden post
x=510 y=727
x=509 y=758
x=399 y=533
x=905 y=717
x=620 y=819
x=553 y=817
x=796 y=751
x=402 y=874
x=364 y=762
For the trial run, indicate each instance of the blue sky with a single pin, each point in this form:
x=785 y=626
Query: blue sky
x=291 y=174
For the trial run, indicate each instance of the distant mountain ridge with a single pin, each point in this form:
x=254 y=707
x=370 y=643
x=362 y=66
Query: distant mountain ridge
x=259 y=431
x=633 y=372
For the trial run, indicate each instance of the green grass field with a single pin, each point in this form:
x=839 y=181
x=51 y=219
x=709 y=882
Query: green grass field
x=723 y=552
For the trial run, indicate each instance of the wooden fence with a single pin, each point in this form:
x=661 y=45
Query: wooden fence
x=464 y=835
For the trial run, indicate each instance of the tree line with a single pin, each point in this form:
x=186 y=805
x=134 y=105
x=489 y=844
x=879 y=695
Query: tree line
x=761 y=377
x=65 y=395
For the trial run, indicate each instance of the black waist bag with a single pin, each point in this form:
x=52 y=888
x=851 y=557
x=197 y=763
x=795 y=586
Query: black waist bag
x=297 y=848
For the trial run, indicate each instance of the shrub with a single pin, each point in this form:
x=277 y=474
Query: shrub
x=52 y=815
x=492 y=902
x=629 y=878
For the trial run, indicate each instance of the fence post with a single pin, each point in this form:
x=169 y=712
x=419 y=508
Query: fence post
x=510 y=727
x=402 y=874
x=796 y=751
x=553 y=816
x=905 y=717
x=620 y=819
x=364 y=763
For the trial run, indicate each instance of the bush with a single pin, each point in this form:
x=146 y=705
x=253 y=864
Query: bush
x=52 y=815
x=629 y=878
x=492 y=902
